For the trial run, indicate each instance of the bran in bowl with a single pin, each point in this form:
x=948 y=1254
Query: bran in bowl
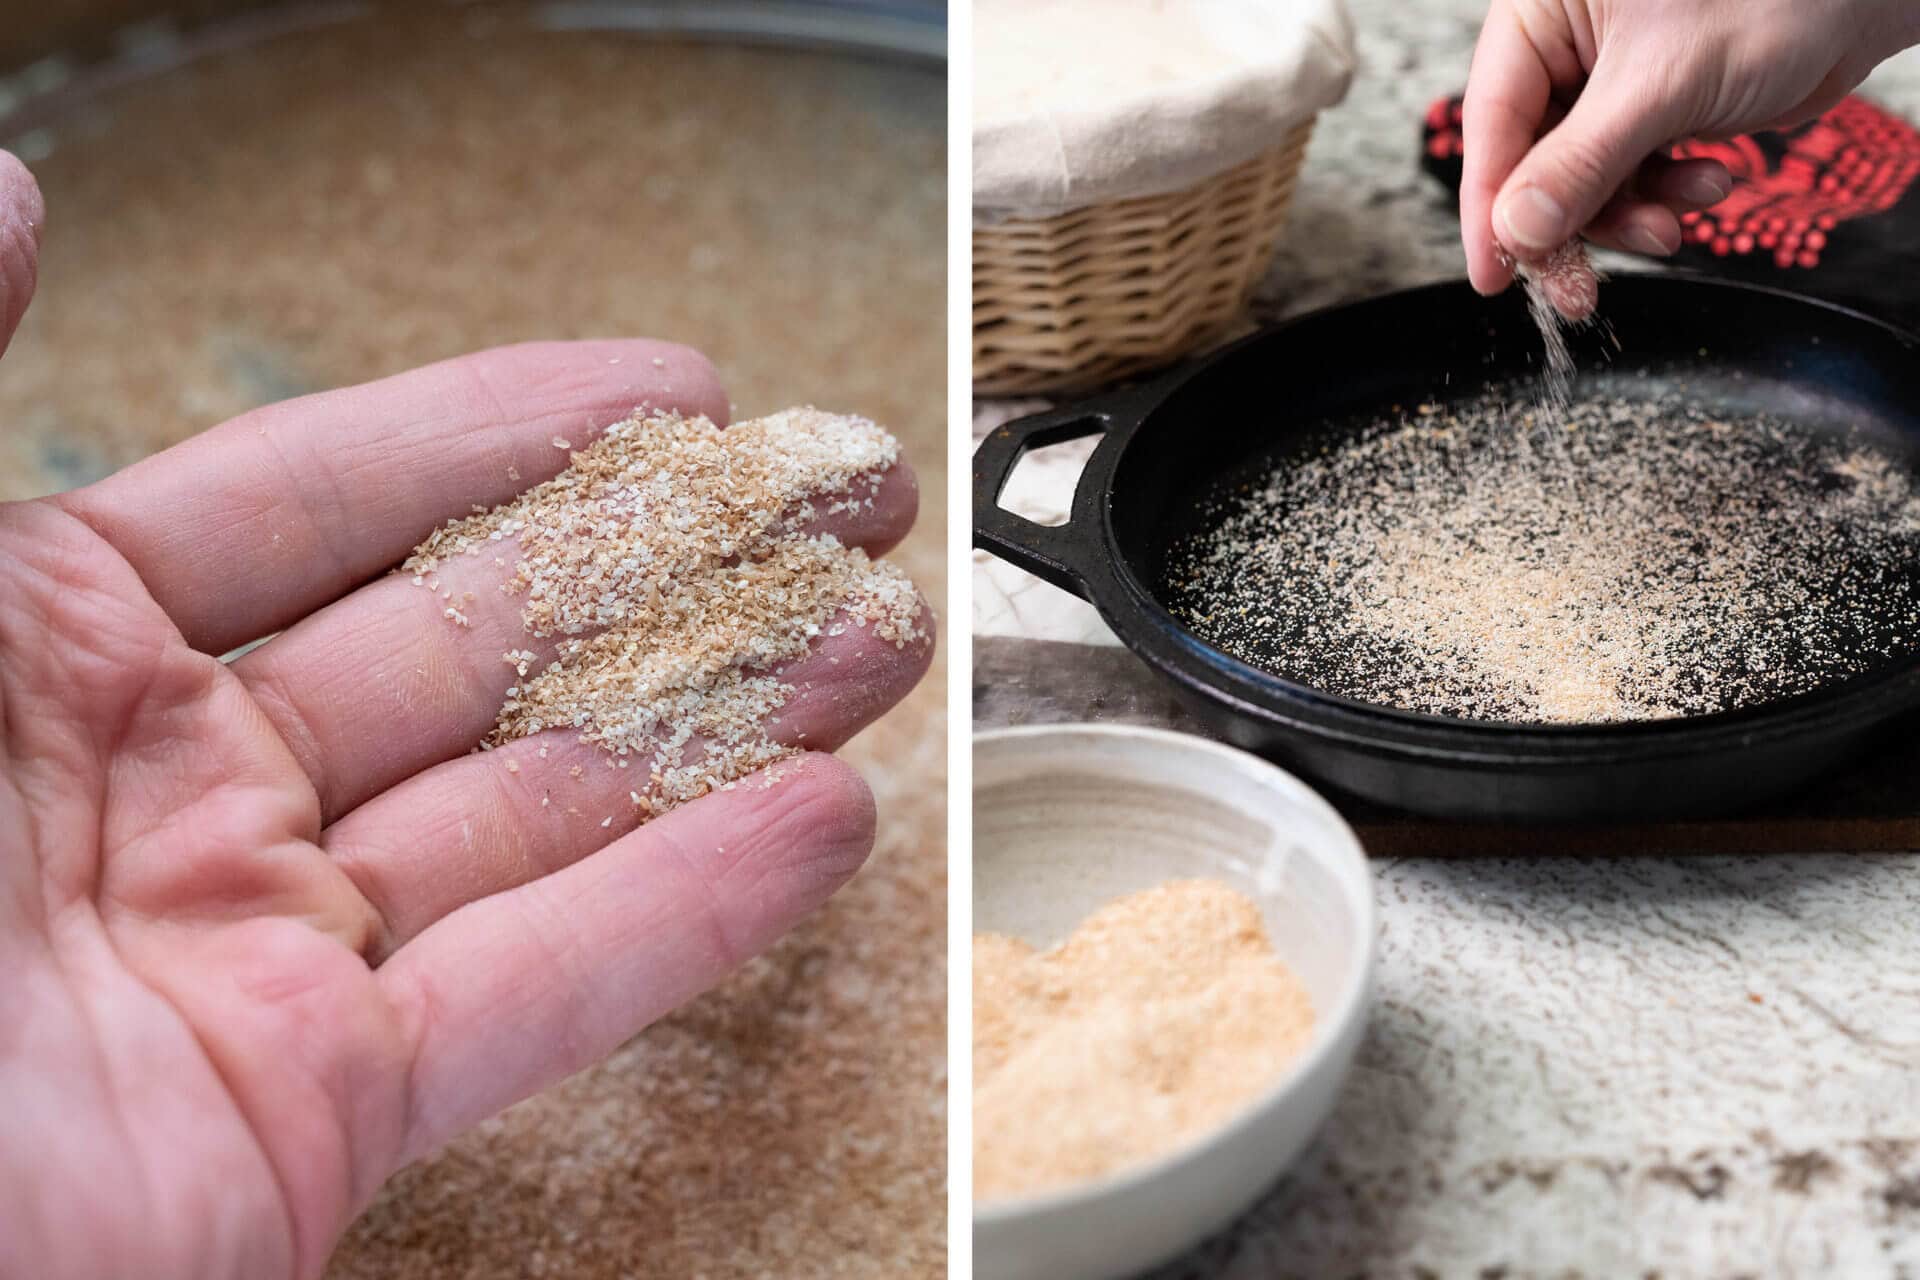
x=1161 y=1016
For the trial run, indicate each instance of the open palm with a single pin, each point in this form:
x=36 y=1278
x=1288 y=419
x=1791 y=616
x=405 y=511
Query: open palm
x=267 y=930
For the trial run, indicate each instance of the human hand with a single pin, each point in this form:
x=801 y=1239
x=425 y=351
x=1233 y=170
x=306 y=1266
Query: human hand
x=1569 y=101
x=267 y=930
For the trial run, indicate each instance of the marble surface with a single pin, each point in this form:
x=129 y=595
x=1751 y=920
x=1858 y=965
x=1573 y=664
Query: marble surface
x=1703 y=1066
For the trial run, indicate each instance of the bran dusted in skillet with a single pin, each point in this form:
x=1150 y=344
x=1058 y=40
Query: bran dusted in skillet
x=669 y=564
x=1161 y=1016
x=1449 y=562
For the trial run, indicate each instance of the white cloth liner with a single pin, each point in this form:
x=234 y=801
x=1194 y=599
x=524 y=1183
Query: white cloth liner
x=1080 y=102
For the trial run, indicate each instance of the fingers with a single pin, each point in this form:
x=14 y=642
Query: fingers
x=1508 y=95
x=380 y=685
x=1534 y=179
x=523 y=988
x=22 y=214
x=248 y=527
x=1694 y=183
x=1643 y=217
x=1563 y=182
x=1637 y=226
x=482 y=824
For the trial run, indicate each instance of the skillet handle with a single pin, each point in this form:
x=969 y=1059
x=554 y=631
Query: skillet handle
x=1057 y=553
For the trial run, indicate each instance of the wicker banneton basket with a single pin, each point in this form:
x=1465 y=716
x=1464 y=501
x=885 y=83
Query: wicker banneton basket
x=1073 y=301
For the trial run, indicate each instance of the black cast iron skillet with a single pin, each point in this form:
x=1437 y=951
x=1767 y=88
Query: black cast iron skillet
x=1166 y=443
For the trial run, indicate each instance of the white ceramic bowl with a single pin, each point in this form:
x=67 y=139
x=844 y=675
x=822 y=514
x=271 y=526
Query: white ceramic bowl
x=1068 y=818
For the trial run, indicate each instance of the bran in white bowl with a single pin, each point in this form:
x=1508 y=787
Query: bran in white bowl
x=1163 y=1014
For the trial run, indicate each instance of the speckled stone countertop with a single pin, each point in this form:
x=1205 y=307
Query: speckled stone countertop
x=1595 y=1067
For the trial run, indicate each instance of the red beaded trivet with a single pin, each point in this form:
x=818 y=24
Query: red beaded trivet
x=1791 y=189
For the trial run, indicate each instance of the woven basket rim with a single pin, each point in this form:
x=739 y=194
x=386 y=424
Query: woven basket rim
x=1095 y=293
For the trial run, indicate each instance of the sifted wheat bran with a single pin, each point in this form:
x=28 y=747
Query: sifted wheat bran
x=1562 y=293
x=1163 y=1014
x=671 y=557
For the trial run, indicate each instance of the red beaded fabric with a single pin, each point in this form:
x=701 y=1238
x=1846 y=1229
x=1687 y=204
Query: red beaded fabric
x=1831 y=207
x=1791 y=189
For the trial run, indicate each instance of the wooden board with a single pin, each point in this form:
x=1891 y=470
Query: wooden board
x=1874 y=806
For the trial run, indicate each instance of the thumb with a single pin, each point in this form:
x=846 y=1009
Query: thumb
x=1569 y=175
x=21 y=215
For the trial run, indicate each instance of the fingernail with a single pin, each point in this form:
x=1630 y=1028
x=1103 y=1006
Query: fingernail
x=1642 y=240
x=1534 y=219
x=1705 y=189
